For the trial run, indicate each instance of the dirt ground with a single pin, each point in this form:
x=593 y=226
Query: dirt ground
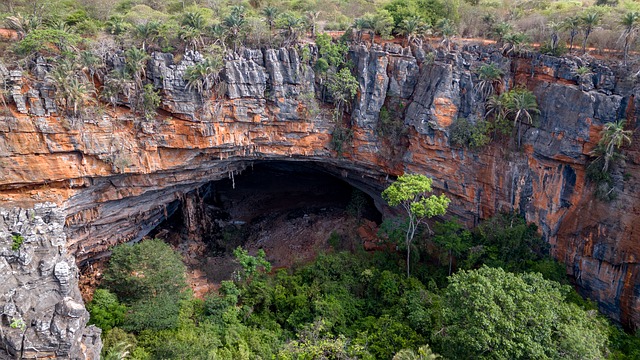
x=288 y=238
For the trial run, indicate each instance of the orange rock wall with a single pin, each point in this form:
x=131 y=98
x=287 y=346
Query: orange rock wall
x=118 y=176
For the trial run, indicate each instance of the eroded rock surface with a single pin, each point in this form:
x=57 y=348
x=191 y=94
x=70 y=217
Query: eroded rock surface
x=42 y=313
x=115 y=177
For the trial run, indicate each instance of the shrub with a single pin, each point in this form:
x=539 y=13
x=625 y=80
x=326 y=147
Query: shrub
x=16 y=241
x=466 y=134
x=150 y=277
x=47 y=40
x=150 y=101
x=105 y=309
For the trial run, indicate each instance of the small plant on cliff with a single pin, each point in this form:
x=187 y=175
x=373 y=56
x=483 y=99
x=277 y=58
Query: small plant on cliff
x=518 y=105
x=342 y=86
x=489 y=80
x=203 y=76
x=612 y=137
x=410 y=191
x=340 y=138
x=150 y=101
x=16 y=241
x=466 y=134
x=18 y=323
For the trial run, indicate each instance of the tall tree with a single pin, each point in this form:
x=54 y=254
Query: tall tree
x=270 y=14
x=589 y=21
x=410 y=192
x=493 y=314
x=447 y=29
x=629 y=22
x=572 y=24
x=235 y=23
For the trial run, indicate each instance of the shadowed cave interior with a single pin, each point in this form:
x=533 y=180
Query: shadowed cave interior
x=288 y=209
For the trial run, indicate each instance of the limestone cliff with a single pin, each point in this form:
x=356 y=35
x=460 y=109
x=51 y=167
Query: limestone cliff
x=114 y=177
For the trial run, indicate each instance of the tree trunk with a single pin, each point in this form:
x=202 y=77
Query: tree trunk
x=584 y=42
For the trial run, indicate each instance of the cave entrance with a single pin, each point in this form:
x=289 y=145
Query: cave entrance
x=291 y=210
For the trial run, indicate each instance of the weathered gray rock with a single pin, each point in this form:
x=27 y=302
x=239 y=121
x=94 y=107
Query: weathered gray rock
x=42 y=311
x=371 y=72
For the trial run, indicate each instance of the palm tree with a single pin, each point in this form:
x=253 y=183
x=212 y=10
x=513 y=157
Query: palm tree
x=270 y=14
x=573 y=25
x=413 y=29
x=116 y=83
x=489 y=78
x=312 y=20
x=116 y=25
x=193 y=19
x=235 y=23
x=630 y=23
x=360 y=25
x=447 y=30
x=522 y=105
x=218 y=33
x=292 y=27
x=192 y=37
x=203 y=76
x=513 y=43
x=500 y=31
x=612 y=137
x=589 y=21
x=58 y=77
x=192 y=27
x=148 y=31
x=554 y=28
x=77 y=90
x=496 y=106
x=135 y=64
x=89 y=63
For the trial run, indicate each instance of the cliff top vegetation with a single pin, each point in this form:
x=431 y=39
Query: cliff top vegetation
x=52 y=27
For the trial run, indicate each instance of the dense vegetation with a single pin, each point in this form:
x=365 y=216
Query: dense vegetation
x=361 y=305
x=343 y=305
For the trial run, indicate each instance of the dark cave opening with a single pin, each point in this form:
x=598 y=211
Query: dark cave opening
x=289 y=209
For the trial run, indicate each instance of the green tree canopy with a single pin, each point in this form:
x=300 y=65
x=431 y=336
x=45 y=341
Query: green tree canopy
x=410 y=191
x=493 y=314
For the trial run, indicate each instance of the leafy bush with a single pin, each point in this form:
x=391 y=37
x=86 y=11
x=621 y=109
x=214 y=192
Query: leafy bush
x=106 y=311
x=47 y=40
x=16 y=241
x=150 y=101
x=149 y=277
x=507 y=241
x=466 y=134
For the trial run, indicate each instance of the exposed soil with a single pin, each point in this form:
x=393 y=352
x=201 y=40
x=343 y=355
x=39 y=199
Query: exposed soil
x=288 y=238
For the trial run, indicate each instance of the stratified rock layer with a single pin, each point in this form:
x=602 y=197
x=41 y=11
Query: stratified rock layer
x=115 y=177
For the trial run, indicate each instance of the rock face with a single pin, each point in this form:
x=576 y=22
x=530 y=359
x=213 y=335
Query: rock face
x=115 y=177
x=42 y=311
